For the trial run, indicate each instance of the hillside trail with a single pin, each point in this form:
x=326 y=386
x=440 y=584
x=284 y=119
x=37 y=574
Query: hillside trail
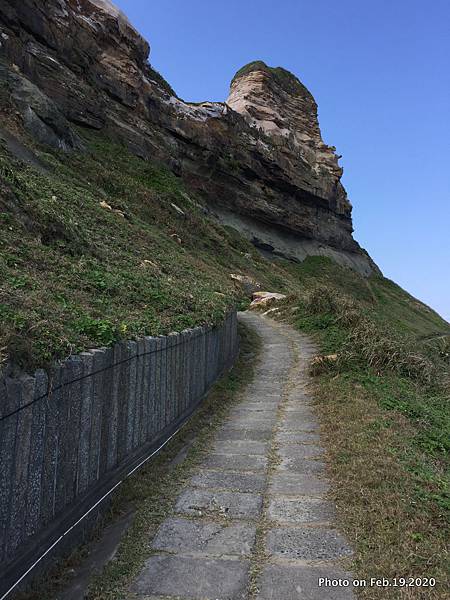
x=253 y=521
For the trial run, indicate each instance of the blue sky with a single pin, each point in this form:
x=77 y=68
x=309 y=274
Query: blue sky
x=380 y=73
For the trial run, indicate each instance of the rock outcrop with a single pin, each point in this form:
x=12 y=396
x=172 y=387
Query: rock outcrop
x=258 y=160
x=274 y=101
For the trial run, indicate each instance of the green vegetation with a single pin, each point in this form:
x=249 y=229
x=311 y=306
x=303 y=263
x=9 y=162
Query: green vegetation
x=386 y=302
x=102 y=245
x=285 y=79
x=382 y=392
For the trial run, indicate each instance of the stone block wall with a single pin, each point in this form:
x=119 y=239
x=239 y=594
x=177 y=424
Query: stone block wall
x=67 y=437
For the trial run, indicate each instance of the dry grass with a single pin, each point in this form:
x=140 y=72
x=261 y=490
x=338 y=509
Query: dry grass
x=395 y=533
x=364 y=339
x=382 y=350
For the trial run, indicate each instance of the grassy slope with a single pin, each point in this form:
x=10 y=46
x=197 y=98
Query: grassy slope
x=387 y=302
x=77 y=275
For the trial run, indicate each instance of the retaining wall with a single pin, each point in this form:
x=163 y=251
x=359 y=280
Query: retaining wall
x=68 y=437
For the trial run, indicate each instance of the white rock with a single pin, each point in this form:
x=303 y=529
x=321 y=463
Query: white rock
x=264 y=298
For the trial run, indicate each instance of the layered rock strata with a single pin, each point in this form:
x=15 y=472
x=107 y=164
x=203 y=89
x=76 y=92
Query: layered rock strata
x=258 y=160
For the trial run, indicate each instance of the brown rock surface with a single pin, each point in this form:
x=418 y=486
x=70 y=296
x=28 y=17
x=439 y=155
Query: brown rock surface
x=275 y=102
x=258 y=161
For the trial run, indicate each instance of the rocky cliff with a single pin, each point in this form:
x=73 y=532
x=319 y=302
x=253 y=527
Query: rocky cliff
x=258 y=160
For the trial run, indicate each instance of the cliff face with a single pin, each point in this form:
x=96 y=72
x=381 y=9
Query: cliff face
x=274 y=101
x=258 y=160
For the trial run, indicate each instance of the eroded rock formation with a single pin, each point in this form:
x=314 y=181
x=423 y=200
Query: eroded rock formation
x=274 y=101
x=258 y=160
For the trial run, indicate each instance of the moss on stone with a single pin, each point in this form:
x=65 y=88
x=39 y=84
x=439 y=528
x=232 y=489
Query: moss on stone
x=284 y=78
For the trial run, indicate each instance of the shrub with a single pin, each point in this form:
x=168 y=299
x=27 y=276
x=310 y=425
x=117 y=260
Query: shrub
x=366 y=342
x=321 y=299
x=379 y=349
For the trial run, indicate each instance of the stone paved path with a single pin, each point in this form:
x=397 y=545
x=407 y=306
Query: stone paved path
x=253 y=522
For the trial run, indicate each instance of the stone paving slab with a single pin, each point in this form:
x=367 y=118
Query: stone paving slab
x=300 y=451
x=302 y=465
x=263 y=428
x=280 y=582
x=205 y=537
x=264 y=392
x=262 y=413
x=300 y=413
x=245 y=447
x=299 y=437
x=249 y=425
x=297 y=484
x=288 y=426
x=257 y=406
x=238 y=505
x=273 y=373
x=225 y=480
x=264 y=397
x=299 y=402
x=271 y=377
x=267 y=404
x=195 y=578
x=251 y=420
x=242 y=434
x=307 y=543
x=236 y=462
x=300 y=510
